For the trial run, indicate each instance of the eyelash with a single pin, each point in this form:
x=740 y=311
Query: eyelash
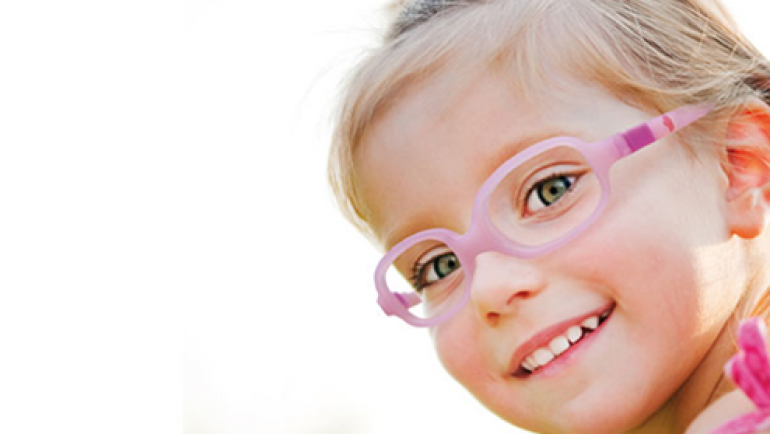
x=419 y=270
x=417 y=273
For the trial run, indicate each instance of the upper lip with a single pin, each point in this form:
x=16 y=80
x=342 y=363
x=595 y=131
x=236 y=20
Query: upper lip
x=544 y=337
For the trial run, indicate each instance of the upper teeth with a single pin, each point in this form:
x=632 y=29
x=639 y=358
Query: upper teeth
x=558 y=345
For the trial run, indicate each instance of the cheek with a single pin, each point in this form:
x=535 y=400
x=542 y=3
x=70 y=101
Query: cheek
x=645 y=265
x=467 y=357
x=460 y=349
x=666 y=267
x=659 y=233
x=457 y=345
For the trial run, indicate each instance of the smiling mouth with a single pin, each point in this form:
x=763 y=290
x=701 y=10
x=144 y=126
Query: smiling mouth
x=561 y=344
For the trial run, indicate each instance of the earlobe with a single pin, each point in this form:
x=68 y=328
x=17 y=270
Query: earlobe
x=748 y=170
x=749 y=213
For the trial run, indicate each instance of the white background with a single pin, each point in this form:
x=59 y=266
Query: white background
x=170 y=257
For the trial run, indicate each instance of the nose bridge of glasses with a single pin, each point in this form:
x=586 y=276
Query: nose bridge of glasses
x=480 y=238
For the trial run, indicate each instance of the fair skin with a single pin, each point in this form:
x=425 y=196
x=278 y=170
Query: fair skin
x=664 y=256
x=731 y=405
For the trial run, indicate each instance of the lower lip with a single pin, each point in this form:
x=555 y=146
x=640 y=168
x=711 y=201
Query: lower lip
x=552 y=368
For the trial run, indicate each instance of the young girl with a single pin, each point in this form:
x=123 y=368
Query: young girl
x=574 y=198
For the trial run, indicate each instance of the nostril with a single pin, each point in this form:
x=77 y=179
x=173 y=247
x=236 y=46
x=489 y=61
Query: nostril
x=521 y=295
x=493 y=318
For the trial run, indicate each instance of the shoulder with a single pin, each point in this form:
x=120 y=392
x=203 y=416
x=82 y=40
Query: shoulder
x=726 y=408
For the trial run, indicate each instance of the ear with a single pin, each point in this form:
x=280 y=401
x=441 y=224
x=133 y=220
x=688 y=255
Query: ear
x=748 y=170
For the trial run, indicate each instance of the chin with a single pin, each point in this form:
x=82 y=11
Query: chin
x=581 y=424
x=601 y=413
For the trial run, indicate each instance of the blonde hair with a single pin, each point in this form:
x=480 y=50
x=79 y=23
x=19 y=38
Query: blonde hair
x=654 y=54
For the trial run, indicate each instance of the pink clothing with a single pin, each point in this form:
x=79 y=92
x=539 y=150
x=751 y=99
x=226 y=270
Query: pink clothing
x=750 y=370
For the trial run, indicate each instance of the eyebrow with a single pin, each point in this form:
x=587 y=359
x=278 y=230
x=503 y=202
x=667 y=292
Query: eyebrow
x=416 y=223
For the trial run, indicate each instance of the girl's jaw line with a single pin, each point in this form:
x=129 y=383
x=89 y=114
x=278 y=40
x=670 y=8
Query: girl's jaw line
x=526 y=352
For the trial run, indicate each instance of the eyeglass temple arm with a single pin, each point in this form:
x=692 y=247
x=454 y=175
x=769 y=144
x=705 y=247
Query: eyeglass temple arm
x=655 y=129
x=408 y=300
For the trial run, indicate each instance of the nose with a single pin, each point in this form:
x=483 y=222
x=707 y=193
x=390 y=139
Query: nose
x=501 y=283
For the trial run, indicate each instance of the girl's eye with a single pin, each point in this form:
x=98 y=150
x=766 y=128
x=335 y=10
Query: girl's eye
x=547 y=192
x=435 y=269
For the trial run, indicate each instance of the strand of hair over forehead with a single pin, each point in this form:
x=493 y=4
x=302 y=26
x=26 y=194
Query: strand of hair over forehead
x=651 y=53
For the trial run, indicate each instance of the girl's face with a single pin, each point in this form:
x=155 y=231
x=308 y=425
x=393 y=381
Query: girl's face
x=658 y=257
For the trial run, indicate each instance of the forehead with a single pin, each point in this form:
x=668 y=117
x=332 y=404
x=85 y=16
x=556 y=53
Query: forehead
x=421 y=163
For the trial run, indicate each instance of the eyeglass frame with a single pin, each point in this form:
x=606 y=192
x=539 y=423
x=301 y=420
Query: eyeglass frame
x=483 y=236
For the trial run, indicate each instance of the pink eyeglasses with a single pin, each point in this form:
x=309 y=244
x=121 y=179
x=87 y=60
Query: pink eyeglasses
x=533 y=203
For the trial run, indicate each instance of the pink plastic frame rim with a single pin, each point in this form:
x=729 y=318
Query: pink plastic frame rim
x=482 y=236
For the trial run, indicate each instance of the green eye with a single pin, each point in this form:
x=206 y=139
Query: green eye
x=438 y=268
x=551 y=190
x=445 y=265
